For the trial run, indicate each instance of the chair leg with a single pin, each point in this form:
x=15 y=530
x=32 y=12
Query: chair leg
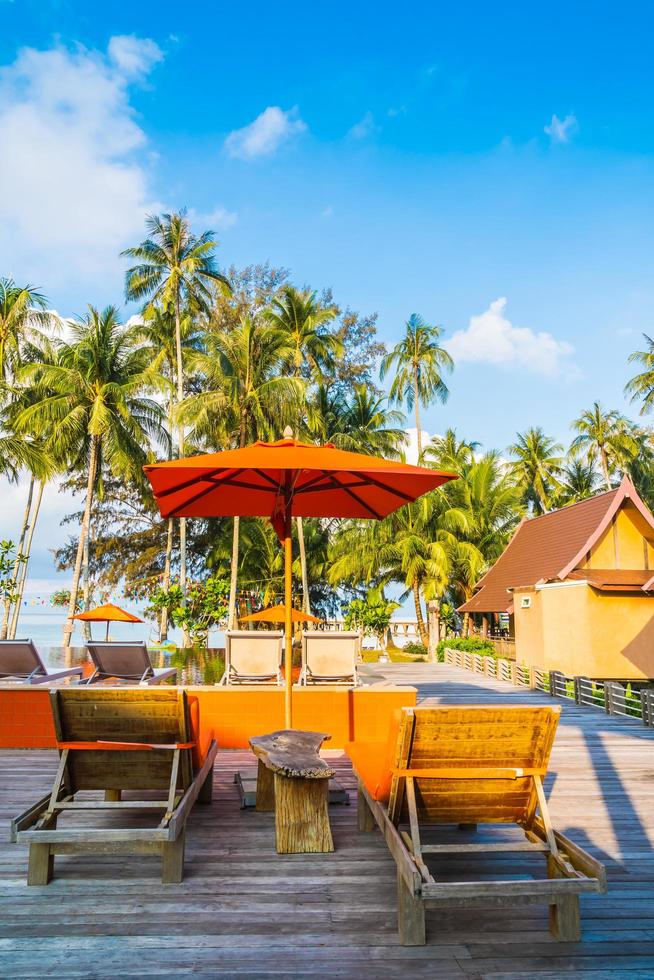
x=365 y=819
x=172 y=861
x=410 y=916
x=206 y=792
x=565 y=921
x=40 y=865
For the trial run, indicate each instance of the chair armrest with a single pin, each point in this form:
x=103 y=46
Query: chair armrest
x=123 y=746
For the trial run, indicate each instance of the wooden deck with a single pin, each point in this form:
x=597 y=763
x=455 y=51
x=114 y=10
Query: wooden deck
x=242 y=910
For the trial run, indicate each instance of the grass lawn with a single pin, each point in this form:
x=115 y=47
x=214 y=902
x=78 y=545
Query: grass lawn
x=395 y=655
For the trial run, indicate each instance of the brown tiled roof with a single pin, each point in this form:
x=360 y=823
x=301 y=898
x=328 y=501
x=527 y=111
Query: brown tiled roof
x=613 y=579
x=539 y=550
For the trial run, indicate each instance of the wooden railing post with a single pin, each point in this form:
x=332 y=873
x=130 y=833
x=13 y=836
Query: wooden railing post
x=613 y=697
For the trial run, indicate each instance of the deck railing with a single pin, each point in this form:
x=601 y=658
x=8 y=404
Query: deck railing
x=612 y=697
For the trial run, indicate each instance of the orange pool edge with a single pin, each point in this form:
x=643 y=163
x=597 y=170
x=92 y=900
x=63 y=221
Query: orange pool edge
x=233 y=714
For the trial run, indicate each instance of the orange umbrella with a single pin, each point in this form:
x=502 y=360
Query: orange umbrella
x=108 y=614
x=277 y=614
x=286 y=479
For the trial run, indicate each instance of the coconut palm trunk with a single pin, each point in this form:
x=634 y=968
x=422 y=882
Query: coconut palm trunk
x=233 y=579
x=416 y=404
x=84 y=530
x=180 y=445
x=4 y=628
x=163 y=622
x=605 y=467
x=23 y=571
x=303 y=566
x=422 y=628
x=86 y=587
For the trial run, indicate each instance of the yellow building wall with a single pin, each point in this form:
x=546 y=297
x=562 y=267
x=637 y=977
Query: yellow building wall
x=528 y=625
x=630 y=544
x=579 y=631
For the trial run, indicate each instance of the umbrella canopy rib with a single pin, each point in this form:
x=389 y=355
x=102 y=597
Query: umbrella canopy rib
x=357 y=497
x=213 y=483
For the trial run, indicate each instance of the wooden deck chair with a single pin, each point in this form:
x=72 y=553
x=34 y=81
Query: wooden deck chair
x=330 y=657
x=125 y=662
x=20 y=659
x=253 y=657
x=469 y=766
x=113 y=740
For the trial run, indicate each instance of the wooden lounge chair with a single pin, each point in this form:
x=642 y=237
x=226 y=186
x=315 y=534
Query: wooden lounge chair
x=20 y=659
x=253 y=657
x=330 y=657
x=113 y=740
x=469 y=766
x=125 y=662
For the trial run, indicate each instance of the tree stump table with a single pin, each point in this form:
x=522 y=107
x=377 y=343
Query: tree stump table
x=294 y=782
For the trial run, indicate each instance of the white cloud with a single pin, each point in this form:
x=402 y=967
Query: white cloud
x=263 y=136
x=561 y=130
x=217 y=219
x=492 y=339
x=364 y=128
x=133 y=56
x=74 y=190
x=327 y=211
x=411 y=444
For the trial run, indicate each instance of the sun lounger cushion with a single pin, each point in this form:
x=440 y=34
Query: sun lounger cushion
x=201 y=738
x=374 y=761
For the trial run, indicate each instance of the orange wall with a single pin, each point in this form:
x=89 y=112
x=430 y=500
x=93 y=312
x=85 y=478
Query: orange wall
x=580 y=631
x=234 y=714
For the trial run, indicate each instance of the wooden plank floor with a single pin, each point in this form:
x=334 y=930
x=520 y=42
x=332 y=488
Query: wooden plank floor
x=244 y=911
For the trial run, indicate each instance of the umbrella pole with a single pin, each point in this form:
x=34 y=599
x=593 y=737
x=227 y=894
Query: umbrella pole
x=288 y=622
x=106 y=636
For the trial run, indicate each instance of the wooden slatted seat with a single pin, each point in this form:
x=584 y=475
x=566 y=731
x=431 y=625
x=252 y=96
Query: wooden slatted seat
x=469 y=766
x=114 y=740
x=294 y=782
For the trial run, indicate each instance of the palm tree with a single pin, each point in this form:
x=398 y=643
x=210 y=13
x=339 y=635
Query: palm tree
x=93 y=408
x=642 y=385
x=22 y=309
x=419 y=362
x=243 y=396
x=298 y=313
x=363 y=424
x=24 y=450
x=536 y=467
x=450 y=452
x=488 y=496
x=578 y=479
x=605 y=436
x=175 y=269
x=415 y=547
x=159 y=334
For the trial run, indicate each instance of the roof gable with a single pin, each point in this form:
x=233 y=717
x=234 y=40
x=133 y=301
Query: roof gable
x=551 y=546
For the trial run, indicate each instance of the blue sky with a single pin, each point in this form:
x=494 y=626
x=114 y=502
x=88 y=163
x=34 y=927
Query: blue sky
x=488 y=166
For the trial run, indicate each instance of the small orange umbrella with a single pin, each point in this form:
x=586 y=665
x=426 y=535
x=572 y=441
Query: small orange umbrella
x=277 y=614
x=107 y=614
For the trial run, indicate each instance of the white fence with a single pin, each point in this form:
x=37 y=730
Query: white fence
x=612 y=697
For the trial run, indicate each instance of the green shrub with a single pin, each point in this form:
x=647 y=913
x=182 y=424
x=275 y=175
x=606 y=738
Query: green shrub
x=415 y=648
x=470 y=644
